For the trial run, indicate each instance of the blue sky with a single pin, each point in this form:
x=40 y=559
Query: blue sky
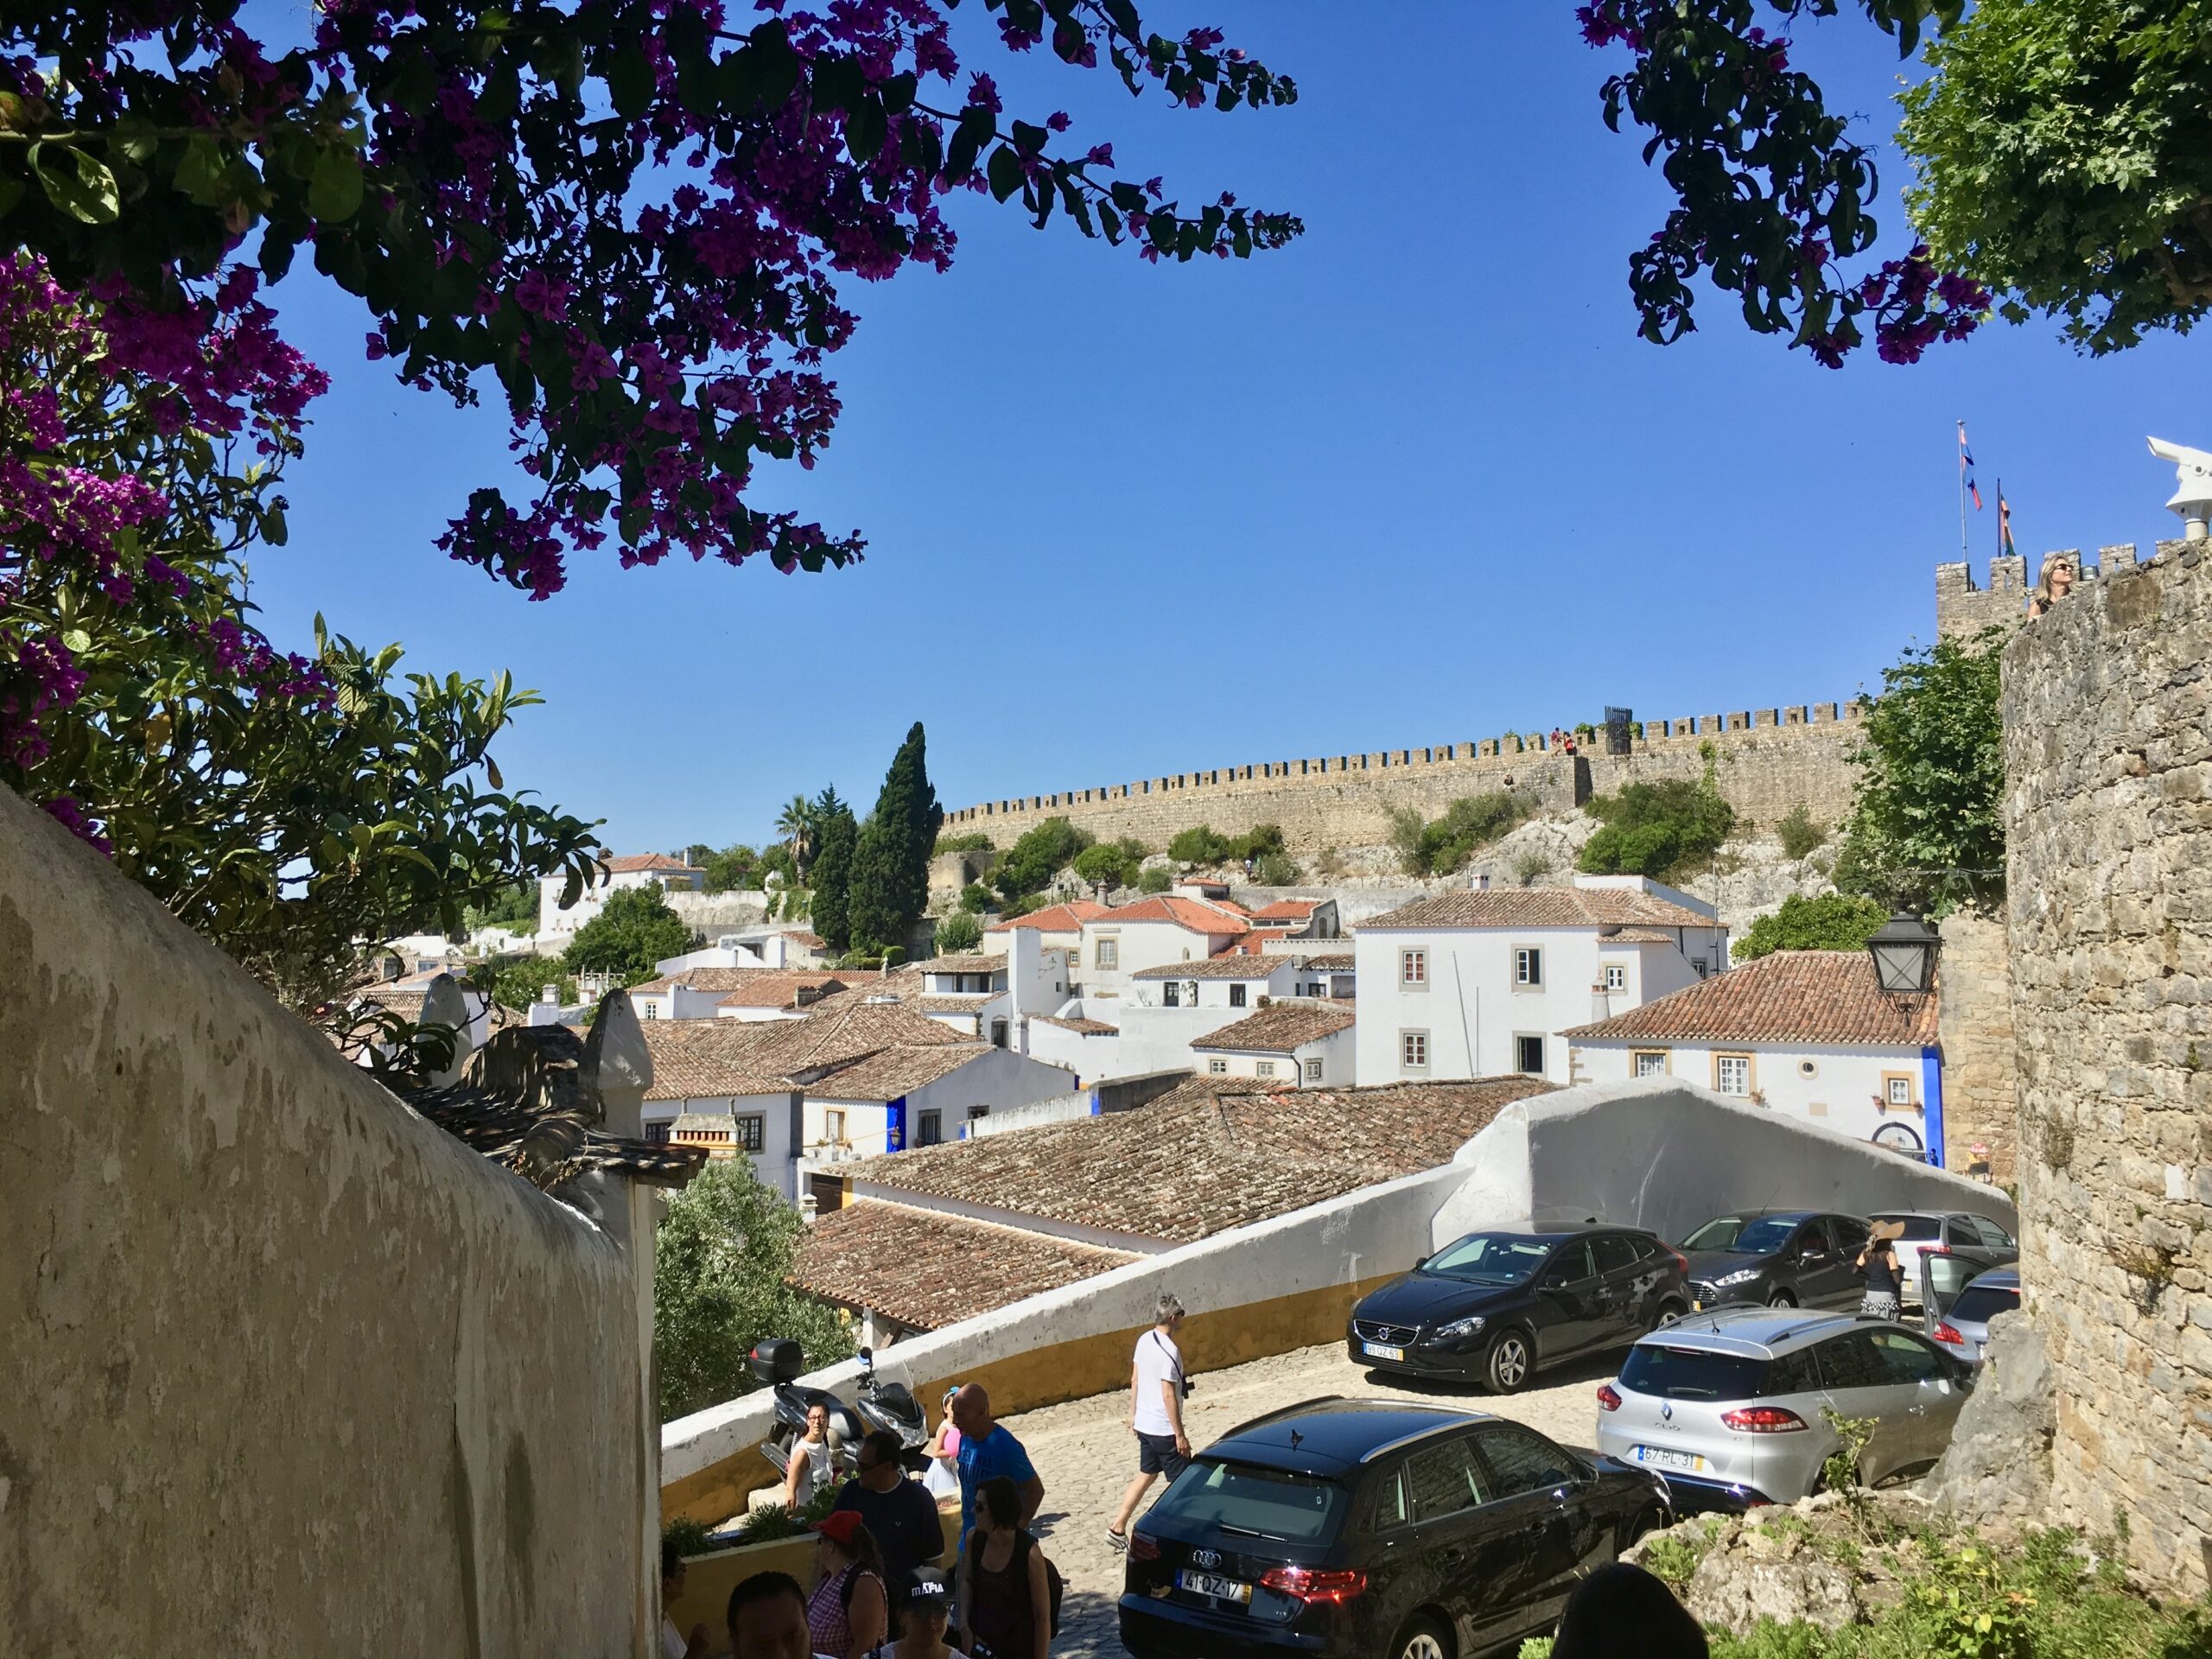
x=1413 y=480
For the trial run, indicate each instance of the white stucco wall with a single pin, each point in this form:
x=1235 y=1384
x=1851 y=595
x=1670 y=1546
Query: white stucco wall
x=998 y=1078
x=563 y=923
x=1143 y=944
x=1147 y=1040
x=1277 y=981
x=777 y=1162
x=1336 y=1053
x=1843 y=1096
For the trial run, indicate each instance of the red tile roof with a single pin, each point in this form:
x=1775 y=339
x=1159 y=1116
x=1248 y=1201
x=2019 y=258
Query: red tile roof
x=1791 y=997
x=927 y=1269
x=1231 y=964
x=740 y=982
x=1199 y=915
x=780 y=987
x=1282 y=1029
x=1288 y=910
x=978 y=963
x=1054 y=919
x=1081 y=1028
x=892 y=1072
x=630 y=863
x=1539 y=907
x=693 y=1059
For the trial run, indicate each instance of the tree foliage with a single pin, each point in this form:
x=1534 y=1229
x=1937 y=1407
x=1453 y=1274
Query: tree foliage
x=2064 y=158
x=1200 y=844
x=1111 y=863
x=1798 y=833
x=1444 y=845
x=1831 y=921
x=1040 y=853
x=1927 y=827
x=725 y=1247
x=736 y=869
x=836 y=837
x=513 y=907
x=1655 y=830
x=891 y=864
x=518 y=981
x=634 y=929
x=958 y=933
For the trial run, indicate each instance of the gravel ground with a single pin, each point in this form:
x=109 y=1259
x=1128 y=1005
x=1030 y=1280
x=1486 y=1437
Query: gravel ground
x=1086 y=1456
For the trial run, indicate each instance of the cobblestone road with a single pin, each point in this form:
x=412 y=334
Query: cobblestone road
x=1084 y=1453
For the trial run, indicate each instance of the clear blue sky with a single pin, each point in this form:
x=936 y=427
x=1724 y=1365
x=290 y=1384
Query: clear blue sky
x=1412 y=480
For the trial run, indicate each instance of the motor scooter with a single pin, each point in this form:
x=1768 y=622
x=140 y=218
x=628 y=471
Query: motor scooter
x=775 y=1361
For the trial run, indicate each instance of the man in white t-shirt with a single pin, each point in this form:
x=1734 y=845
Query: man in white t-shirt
x=1156 y=1390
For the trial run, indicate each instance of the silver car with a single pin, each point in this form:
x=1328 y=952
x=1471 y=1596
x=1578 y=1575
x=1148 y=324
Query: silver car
x=1952 y=1245
x=1962 y=1326
x=1729 y=1405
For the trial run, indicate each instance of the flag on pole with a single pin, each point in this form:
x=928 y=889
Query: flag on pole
x=1966 y=468
x=2004 y=523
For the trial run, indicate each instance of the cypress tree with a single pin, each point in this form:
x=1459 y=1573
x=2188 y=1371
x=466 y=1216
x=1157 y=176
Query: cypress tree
x=835 y=837
x=891 y=866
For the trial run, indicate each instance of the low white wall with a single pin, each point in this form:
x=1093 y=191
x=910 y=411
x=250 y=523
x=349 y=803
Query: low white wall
x=1058 y=1109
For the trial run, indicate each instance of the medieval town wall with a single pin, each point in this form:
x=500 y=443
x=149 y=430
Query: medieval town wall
x=2107 y=707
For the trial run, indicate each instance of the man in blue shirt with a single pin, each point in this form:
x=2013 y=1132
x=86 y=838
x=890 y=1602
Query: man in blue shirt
x=987 y=1450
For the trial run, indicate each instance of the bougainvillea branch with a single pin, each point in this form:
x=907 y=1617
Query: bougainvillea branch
x=1772 y=196
x=632 y=218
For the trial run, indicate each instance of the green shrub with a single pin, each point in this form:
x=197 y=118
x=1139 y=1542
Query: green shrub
x=1833 y=921
x=1258 y=842
x=1530 y=866
x=958 y=933
x=977 y=842
x=1041 y=854
x=1276 y=870
x=775 y=1520
x=1115 y=864
x=689 y=1536
x=1443 y=846
x=1199 y=845
x=974 y=898
x=1155 y=881
x=1655 y=829
x=1800 y=835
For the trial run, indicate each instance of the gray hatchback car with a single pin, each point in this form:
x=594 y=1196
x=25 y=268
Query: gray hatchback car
x=1729 y=1405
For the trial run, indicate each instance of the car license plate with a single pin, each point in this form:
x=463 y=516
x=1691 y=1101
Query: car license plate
x=1663 y=1457
x=1697 y=1308
x=1206 y=1584
x=1383 y=1351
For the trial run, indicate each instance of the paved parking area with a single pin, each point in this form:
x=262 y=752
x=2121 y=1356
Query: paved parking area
x=1084 y=1453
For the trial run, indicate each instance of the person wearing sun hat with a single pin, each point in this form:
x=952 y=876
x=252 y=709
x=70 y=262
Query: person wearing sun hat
x=847 y=1614
x=1878 y=1263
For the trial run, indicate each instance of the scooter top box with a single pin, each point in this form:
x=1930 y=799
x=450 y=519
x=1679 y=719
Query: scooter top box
x=775 y=1359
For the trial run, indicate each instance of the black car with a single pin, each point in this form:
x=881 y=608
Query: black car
x=1783 y=1258
x=1494 y=1306
x=1375 y=1528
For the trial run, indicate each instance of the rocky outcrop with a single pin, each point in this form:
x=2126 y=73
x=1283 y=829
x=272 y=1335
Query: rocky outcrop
x=1769 y=1578
x=1999 y=1463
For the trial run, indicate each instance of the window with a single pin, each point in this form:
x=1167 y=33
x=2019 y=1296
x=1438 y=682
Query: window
x=657 y=1133
x=1443 y=1480
x=1852 y=1361
x=1905 y=1357
x=1896 y=1089
x=974 y=1112
x=1524 y=1461
x=1413 y=970
x=1528 y=1056
x=1959 y=1230
x=1258 y=1503
x=1615 y=1253
x=1570 y=1264
x=833 y=1127
x=1731 y=1074
x=753 y=1132
x=1649 y=1063
x=1237 y=996
x=1217 y=1067
x=1264 y=1069
x=652 y=1009
x=1313 y=1071
x=1849 y=1235
x=930 y=1129
x=1170 y=994
x=1992 y=1234
x=1107 y=954
x=1527 y=967
x=1615 y=977
x=1413 y=1050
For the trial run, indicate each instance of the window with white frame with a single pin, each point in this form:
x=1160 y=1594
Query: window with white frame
x=1313 y=1071
x=1528 y=1055
x=652 y=1009
x=1731 y=1074
x=1263 y=1069
x=753 y=1132
x=1900 y=1089
x=832 y=1128
x=1413 y=1050
x=1615 y=977
x=1413 y=970
x=1170 y=994
x=1650 y=1063
x=1107 y=954
x=1528 y=967
x=1217 y=1067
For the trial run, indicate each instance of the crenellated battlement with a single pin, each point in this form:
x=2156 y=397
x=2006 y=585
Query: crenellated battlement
x=1962 y=608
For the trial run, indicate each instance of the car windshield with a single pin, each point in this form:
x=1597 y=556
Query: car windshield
x=1917 y=1229
x=1754 y=1235
x=1979 y=1304
x=1246 y=1502
x=1491 y=1258
x=1691 y=1373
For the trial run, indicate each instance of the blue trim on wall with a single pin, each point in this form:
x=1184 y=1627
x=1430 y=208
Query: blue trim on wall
x=1931 y=1092
x=895 y=1124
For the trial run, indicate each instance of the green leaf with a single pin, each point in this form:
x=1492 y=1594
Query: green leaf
x=86 y=191
x=77 y=640
x=11 y=192
x=1005 y=173
x=335 y=195
x=975 y=130
x=630 y=82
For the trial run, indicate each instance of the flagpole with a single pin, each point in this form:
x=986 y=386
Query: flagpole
x=1963 y=555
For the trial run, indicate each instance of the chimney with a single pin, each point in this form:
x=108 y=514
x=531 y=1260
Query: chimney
x=1480 y=882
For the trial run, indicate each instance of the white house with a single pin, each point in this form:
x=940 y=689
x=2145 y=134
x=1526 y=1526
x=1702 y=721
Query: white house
x=1230 y=980
x=1482 y=983
x=557 y=926
x=1152 y=933
x=1308 y=1044
x=1056 y=927
x=903 y=1097
x=1807 y=1033
x=698 y=1096
x=1299 y=919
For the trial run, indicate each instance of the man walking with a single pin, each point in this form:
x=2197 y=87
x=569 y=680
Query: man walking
x=1156 y=1389
x=987 y=1449
x=900 y=1514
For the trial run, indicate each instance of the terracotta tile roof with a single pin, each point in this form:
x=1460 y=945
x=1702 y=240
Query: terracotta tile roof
x=949 y=1001
x=1288 y=910
x=832 y=1036
x=699 y=1059
x=890 y=1072
x=1791 y=997
x=926 y=1270
x=1200 y=1160
x=1635 y=935
x=779 y=988
x=1280 y=1029
x=811 y=941
x=1054 y=919
x=1199 y=915
x=1539 y=907
x=978 y=963
x=1341 y=962
x=1257 y=943
x=1228 y=965
x=738 y=981
x=630 y=863
x=1081 y=1028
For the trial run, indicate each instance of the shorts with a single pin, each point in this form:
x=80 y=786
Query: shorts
x=1156 y=1455
x=1878 y=1305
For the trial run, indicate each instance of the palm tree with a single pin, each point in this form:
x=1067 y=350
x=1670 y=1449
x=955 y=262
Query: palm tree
x=796 y=826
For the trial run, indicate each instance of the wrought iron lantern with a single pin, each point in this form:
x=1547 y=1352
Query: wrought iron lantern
x=1904 y=955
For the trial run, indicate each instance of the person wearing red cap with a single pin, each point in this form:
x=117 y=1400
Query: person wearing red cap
x=847 y=1615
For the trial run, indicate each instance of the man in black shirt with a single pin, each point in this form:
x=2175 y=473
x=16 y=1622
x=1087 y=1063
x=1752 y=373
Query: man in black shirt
x=898 y=1513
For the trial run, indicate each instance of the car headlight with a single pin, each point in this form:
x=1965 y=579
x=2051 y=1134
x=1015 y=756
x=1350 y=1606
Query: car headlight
x=1467 y=1327
x=1741 y=1276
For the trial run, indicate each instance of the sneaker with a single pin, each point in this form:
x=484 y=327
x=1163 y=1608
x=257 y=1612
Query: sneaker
x=1118 y=1540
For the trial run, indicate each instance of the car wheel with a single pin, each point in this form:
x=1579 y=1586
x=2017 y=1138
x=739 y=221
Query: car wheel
x=1668 y=1313
x=1424 y=1638
x=1641 y=1528
x=1781 y=1298
x=1507 y=1365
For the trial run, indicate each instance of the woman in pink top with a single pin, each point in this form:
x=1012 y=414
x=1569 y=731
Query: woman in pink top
x=942 y=1478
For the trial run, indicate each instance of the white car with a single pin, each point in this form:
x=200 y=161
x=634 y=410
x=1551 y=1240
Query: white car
x=1965 y=1244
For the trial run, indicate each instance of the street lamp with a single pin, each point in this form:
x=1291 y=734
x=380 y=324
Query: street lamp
x=1904 y=955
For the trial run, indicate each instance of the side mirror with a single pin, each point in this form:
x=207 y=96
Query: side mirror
x=1421 y=1262
x=867 y=1356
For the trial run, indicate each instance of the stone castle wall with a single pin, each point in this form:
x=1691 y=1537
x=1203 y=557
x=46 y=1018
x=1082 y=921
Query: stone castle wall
x=1765 y=761
x=1963 y=609
x=1981 y=1094
x=2108 y=810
